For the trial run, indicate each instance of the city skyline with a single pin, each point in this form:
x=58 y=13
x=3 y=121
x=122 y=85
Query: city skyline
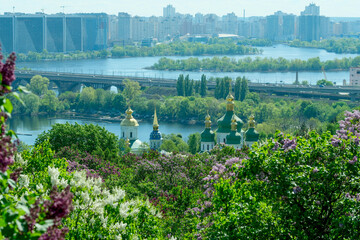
x=336 y=8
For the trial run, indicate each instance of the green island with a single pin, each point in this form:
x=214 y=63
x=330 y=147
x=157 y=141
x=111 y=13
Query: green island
x=214 y=46
x=258 y=64
x=81 y=182
x=337 y=45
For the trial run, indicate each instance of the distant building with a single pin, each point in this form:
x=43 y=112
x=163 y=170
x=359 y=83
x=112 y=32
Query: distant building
x=168 y=11
x=155 y=136
x=129 y=133
x=309 y=28
x=355 y=76
x=207 y=141
x=312 y=10
x=7 y=33
x=124 y=28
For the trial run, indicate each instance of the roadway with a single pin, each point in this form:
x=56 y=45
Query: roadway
x=335 y=92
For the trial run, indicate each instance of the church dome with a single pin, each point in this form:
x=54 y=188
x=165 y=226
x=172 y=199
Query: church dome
x=224 y=122
x=129 y=121
x=207 y=135
x=234 y=138
x=155 y=135
x=251 y=134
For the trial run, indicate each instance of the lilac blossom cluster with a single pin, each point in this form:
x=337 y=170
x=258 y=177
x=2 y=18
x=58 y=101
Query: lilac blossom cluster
x=93 y=165
x=349 y=127
x=7 y=72
x=58 y=207
x=220 y=171
x=7 y=150
x=7 y=147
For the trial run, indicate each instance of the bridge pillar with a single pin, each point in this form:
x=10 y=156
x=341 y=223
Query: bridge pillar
x=67 y=86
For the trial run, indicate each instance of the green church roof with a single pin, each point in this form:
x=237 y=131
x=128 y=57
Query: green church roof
x=252 y=135
x=207 y=135
x=224 y=123
x=234 y=138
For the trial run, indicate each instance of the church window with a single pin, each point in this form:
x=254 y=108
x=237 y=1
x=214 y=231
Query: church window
x=131 y=134
x=208 y=147
x=123 y=134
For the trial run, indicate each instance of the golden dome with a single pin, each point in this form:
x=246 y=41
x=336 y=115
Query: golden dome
x=208 y=121
x=252 y=121
x=129 y=121
x=233 y=123
x=230 y=103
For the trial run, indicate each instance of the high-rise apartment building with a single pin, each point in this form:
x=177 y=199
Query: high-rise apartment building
x=124 y=28
x=312 y=10
x=169 y=11
x=309 y=23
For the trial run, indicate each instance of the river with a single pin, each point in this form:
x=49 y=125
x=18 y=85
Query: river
x=33 y=126
x=136 y=66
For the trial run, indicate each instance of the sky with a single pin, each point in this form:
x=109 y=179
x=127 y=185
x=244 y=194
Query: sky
x=330 y=8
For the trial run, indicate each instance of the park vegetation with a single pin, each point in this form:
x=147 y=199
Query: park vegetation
x=337 y=45
x=257 y=64
x=285 y=187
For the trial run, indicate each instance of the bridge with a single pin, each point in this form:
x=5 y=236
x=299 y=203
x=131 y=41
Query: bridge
x=73 y=82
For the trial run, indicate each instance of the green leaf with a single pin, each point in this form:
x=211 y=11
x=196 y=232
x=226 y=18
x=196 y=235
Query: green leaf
x=17 y=96
x=23 y=90
x=8 y=105
x=0 y=78
x=44 y=226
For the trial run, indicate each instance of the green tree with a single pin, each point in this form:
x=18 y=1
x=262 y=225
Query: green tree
x=50 y=103
x=194 y=143
x=324 y=82
x=119 y=102
x=131 y=89
x=38 y=85
x=180 y=86
x=222 y=91
x=227 y=82
x=203 y=86
x=237 y=89
x=244 y=89
x=85 y=138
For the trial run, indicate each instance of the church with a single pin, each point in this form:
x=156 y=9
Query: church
x=229 y=132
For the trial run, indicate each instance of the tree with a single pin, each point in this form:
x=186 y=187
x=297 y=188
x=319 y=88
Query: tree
x=87 y=99
x=174 y=143
x=119 y=102
x=203 y=86
x=194 y=143
x=222 y=91
x=38 y=85
x=85 y=138
x=237 y=89
x=217 y=88
x=324 y=82
x=244 y=89
x=50 y=103
x=180 y=85
x=227 y=88
x=197 y=86
x=131 y=89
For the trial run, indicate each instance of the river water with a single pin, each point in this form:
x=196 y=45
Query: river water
x=136 y=66
x=33 y=126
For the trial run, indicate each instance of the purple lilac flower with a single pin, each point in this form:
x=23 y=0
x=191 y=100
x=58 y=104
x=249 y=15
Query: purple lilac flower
x=7 y=150
x=289 y=144
x=352 y=162
x=297 y=189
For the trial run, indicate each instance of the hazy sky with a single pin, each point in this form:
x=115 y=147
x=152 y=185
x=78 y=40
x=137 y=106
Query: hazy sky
x=331 y=8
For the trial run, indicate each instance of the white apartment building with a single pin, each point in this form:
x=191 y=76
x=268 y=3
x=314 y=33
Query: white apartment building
x=355 y=76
